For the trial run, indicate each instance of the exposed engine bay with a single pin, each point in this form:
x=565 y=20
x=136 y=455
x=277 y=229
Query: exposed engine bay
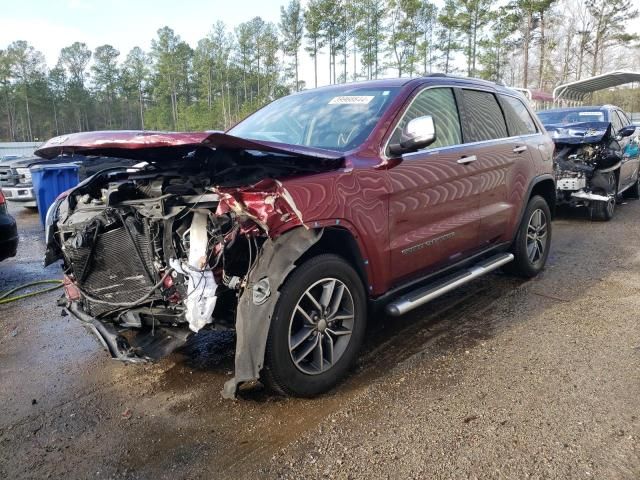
x=585 y=155
x=168 y=247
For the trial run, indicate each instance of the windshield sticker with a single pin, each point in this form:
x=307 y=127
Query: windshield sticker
x=351 y=100
x=588 y=114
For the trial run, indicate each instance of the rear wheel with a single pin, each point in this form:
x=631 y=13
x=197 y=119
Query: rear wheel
x=533 y=239
x=317 y=328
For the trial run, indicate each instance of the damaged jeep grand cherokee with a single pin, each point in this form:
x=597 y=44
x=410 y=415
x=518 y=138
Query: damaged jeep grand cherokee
x=291 y=225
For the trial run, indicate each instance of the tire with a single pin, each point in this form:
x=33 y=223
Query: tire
x=307 y=376
x=531 y=248
x=603 y=211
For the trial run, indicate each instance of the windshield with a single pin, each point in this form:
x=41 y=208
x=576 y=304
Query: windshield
x=336 y=119
x=565 y=117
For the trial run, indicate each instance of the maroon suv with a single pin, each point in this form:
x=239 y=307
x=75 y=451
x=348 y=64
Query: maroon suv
x=290 y=225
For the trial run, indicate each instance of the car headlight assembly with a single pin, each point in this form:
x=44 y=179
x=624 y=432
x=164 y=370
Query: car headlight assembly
x=24 y=172
x=50 y=219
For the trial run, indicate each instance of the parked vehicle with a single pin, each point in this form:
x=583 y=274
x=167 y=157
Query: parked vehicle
x=290 y=225
x=15 y=174
x=8 y=231
x=597 y=156
x=15 y=180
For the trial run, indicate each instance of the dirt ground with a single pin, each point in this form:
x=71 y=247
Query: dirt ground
x=503 y=379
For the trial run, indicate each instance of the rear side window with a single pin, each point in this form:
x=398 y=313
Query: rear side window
x=519 y=119
x=440 y=103
x=484 y=119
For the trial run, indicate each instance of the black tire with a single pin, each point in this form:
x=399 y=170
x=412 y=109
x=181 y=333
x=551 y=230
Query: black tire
x=603 y=211
x=280 y=373
x=523 y=264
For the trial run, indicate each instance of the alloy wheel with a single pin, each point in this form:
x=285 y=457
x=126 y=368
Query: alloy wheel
x=320 y=326
x=536 y=235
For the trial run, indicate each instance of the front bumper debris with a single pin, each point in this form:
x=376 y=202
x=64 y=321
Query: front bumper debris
x=141 y=346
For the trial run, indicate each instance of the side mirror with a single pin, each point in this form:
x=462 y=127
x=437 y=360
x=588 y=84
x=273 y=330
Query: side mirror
x=418 y=133
x=627 y=131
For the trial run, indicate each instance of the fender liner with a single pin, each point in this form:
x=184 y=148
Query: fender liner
x=255 y=307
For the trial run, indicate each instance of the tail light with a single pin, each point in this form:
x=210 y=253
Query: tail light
x=2 y=200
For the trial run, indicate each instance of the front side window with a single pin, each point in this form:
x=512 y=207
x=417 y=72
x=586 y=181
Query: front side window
x=484 y=119
x=440 y=103
x=615 y=121
x=519 y=119
x=336 y=119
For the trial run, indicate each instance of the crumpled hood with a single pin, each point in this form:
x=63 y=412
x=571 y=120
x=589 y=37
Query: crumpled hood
x=146 y=145
x=579 y=133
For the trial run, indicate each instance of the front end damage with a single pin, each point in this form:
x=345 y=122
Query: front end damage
x=586 y=155
x=152 y=255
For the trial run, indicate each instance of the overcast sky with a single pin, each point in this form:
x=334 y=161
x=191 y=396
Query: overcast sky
x=50 y=25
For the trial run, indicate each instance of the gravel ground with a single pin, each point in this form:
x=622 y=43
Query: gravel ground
x=502 y=379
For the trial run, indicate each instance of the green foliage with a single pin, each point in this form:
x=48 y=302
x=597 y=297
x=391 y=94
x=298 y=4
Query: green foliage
x=292 y=30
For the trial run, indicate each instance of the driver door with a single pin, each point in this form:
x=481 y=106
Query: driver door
x=433 y=207
x=629 y=168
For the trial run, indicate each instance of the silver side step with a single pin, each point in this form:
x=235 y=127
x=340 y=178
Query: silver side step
x=425 y=294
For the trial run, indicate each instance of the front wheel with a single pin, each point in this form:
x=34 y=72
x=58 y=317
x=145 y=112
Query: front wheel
x=603 y=211
x=533 y=240
x=317 y=327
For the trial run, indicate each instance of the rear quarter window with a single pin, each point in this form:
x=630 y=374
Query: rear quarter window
x=519 y=120
x=483 y=116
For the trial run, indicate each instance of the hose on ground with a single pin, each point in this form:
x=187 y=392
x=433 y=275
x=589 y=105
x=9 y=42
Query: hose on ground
x=5 y=298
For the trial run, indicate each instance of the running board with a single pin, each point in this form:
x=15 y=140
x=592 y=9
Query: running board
x=424 y=295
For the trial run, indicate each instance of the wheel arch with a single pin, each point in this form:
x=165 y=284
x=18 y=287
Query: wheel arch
x=340 y=241
x=544 y=186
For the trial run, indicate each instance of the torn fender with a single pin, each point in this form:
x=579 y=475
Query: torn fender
x=258 y=300
x=268 y=203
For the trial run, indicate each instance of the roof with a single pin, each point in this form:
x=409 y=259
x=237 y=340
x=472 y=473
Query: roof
x=396 y=82
x=579 y=89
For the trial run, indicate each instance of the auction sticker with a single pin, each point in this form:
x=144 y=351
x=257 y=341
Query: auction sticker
x=351 y=100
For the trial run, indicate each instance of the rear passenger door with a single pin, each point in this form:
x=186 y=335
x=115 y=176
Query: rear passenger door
x=502 y=163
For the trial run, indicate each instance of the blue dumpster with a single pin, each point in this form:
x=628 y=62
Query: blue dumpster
x=49 y=181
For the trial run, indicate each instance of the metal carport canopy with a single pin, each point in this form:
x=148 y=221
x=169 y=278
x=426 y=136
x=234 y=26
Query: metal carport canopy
x=576 y=91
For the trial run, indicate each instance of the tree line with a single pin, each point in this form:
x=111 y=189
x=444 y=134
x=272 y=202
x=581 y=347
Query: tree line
x=233 y=71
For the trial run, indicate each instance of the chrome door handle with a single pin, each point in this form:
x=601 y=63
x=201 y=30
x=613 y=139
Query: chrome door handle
x=469 y=159
x=520 y=149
